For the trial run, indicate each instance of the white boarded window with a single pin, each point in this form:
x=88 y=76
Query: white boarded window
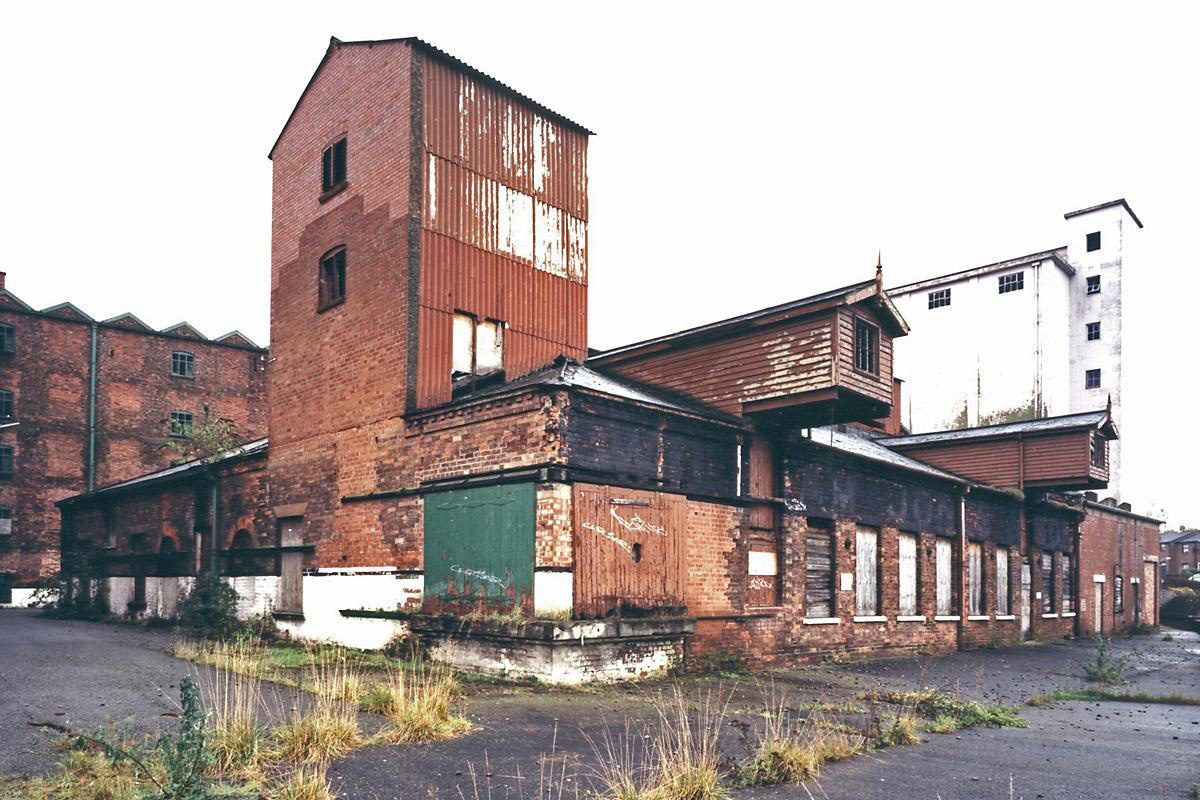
x=945 y=567
x=1068 y=586
x=866 y=572
x=974 y=578
x=1002 y=586
x=818 y=569
x=908 y=574
x=1047 y=583
x=464 y=345
x=478 y=347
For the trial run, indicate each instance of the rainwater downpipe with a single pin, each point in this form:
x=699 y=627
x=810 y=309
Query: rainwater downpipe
x=962 y=565
x=91 y=468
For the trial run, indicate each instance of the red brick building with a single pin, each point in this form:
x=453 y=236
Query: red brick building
x=87 y=403
x=441 y=441
x=1179 y=550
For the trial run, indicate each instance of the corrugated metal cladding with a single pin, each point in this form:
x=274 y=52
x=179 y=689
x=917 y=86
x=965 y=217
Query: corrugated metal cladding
x=630 y=550
x=504 y=227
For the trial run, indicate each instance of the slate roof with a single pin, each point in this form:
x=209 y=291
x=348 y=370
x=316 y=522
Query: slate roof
x=857 y=442
x=1088 y=419
x=1171 y=537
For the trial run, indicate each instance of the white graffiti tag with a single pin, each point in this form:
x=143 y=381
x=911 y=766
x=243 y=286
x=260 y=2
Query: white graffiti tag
x=612 y=537
x=637 y=524
x=760 y=583
x=478 y=574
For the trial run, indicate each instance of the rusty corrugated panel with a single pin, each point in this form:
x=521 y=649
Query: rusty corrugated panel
x=630 y=551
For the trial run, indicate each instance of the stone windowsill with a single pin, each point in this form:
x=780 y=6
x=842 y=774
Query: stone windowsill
x=822 y=621
x=1049 y=616
x=1068 y=613
x=872 y=618
x=1005 y=617
x=910 y=618
x=978 y=618
x=947 y=618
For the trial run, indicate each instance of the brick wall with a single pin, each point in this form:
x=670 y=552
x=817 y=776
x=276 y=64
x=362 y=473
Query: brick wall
x=1115 y=544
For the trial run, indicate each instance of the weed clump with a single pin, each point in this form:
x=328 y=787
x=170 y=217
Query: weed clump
x=1105 y=668
x=947 y=713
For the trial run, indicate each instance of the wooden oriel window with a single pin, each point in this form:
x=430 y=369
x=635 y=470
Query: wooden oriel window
x=908 y=583
x=333 y=166
x=1047 y=583
x=975 y=584
x=818 y=569
x=331 y=278
x=1099 y=451
x=866 y=572
x=1003 y=588
x=866 y=346
x=945 y=576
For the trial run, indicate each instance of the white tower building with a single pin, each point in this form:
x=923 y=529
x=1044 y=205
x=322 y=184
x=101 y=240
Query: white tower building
x=1033 y=336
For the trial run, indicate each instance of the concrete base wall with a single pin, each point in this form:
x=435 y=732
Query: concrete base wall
x=21 y=598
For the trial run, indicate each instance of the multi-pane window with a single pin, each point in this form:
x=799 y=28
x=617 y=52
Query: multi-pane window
x=6 y=404
x=908 y=574
x=6 y=460
x=477 y=346
x=180 y=423
x=1012 y=283
x=1091 y=379
x=1093 y=284
x=1118 y=594
x=1093 y=241
x=1068 y=586
x=866 y=572
x=333 y=165
x=183 y=365
x=5 y=521
x=866 y=346
x=1093 y=331
x=8 y=339
x=332 y=278
x=974 y=578
x=1002 y=586
x=1099 y=451
x=939 y=298
x=945 y=571
x=1047 y=583
x=818 y=568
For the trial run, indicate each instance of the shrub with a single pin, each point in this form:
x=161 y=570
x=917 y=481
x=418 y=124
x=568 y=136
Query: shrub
x=1104 y=667
x=209 y=610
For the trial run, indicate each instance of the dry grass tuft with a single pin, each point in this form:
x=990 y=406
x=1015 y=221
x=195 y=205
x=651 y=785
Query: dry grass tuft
x=303 y=784
x=418 y=705
x=790 y=750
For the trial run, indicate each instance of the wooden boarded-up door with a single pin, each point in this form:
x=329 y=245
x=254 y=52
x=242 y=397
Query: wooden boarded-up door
x=908 y=574
x=630 y=548
x=479 y=547
x=1098 y=613
x=1149 y=584
x=1026 y=600
x=818 y=570
x=945 y=565
x=291 y=571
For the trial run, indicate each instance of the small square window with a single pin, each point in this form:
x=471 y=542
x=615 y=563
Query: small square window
x=1093 y=284
x=939 y=298
x=6 y=404
x=8 y=339
x=1092 y=379
x=332 y=289
x=1012 y=283
x=1093 y=241
x=866 y=346
x=1093 y=331
x=6 y=460
x=183 y=364
x=333 y=165
x=180 y=424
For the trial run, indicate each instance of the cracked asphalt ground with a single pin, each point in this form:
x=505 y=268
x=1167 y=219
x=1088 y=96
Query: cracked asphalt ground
x=88 y=674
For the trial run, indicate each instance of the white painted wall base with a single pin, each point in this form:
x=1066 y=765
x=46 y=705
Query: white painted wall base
x=327 y=593
x=21 y=598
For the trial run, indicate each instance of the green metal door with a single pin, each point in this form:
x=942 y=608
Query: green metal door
x=479 y=546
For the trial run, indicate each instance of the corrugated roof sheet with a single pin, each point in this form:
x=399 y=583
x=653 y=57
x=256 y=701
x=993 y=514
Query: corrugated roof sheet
x=1088 y=419
x=858 y=442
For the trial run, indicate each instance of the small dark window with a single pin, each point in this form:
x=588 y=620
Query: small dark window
x=1093 y=331
x=8 y=339
x=6 y=460
x=5 y=521
x=1093 y=241
x=1012 y=283
x=1093 y=284
x=333 y=165
x=181 y=423
x=6 y=404
x=332 y=289
x=183 y=365
x=866 y=346
x=939 y=298
x=1092 y=379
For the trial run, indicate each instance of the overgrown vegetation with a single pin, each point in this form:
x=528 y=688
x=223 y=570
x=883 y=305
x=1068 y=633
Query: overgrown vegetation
x=1105 y=668
x=209 y=610
x=1095 y=695
x=203 y=441
x=945 y=713
x=788 y=749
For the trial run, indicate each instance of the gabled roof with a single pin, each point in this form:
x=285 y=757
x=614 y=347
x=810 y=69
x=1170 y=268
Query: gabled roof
x=1097 y=420
x=184 y=329
x=412 y=41
x=68 y=310
x=846 y=295
x=1120 y=201
x=1057 y=255
x=128 y=320
x=175 y=472
x=9 y=299
x=236 y=337
x=1179 y=537
x=860 y=443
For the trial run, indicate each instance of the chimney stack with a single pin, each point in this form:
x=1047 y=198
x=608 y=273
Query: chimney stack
x=2 y=274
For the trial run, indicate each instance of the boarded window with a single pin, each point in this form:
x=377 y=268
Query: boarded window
x=763 y=576
x=818 y=569
x=1068 y=586
x=866 y=573
x=974 y=578
x=1002 y=586
x=945 y=569
x=1047 y=583
x=478 y=346
x=1118 y=594
x=908 y=573
x=291 y=573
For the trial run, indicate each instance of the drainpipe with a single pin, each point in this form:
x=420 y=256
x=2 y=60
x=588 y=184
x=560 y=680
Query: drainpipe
x=962 y=565
x=213 y=499
x=91 y=467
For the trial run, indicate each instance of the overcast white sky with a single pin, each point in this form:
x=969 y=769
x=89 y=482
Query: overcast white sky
x=746 y=155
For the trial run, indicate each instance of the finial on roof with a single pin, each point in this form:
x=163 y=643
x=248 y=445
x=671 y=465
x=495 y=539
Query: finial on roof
x=879 y=270
x=1108 y=410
